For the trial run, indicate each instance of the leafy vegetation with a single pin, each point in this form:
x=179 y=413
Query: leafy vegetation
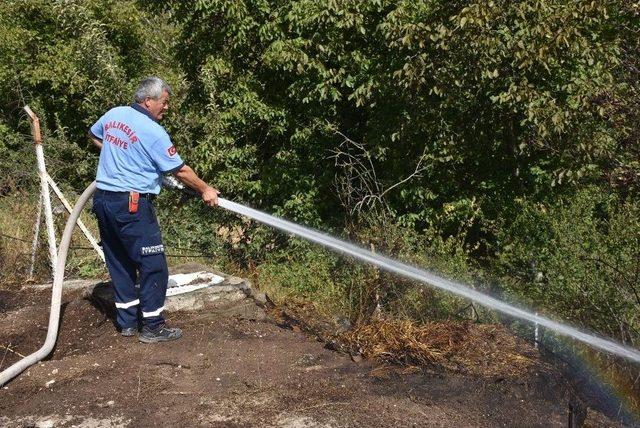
x=442 y=120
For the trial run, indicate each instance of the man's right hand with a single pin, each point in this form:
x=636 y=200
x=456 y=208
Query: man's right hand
x=210 y=196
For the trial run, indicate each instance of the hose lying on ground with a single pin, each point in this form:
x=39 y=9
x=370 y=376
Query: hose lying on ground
x=56 y=293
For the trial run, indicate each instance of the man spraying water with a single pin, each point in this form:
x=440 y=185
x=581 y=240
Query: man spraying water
x=135 y=152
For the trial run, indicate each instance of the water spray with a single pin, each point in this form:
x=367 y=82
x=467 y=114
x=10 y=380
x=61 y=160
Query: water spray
x=432 y=279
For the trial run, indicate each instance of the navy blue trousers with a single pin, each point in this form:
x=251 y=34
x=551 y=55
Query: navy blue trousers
x=134 y=254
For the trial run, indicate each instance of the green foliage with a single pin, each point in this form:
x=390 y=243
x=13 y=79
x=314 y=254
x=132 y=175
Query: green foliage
x=578 y=257
x=346 y=286
x=71 y=61
x=497 y=99
x=306 y=271
x=17 y=161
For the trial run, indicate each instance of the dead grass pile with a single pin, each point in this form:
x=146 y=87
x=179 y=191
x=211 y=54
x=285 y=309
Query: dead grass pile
x=482 y=350
x=403 y=342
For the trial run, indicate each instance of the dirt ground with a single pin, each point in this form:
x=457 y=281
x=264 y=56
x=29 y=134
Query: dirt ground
x=238 y=366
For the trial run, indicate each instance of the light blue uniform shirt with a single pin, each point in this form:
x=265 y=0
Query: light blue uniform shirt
x=136 y=151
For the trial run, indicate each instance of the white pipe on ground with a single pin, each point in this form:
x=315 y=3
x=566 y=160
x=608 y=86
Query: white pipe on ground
x=56 y=294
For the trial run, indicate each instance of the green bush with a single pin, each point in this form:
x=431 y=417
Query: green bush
x=302 y=270
x=71 y=61
x=578 y=258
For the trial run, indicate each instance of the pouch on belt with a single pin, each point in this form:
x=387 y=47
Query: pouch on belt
x=134 y=197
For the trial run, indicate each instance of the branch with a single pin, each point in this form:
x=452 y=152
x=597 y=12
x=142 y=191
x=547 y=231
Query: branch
x=618 y=271
x=416 y=173
x=360 y=180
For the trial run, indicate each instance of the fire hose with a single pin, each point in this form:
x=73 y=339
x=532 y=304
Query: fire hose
x=56 y=293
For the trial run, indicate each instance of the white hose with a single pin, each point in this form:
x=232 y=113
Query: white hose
x=56 y=294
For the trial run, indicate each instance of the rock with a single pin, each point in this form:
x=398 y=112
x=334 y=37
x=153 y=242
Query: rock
x=343 y=324
x=307 y=360
x=46 y=423
x=260 y=298
x=68 y=285
x=109 y=403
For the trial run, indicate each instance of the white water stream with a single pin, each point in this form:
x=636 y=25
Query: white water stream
x=431 y=279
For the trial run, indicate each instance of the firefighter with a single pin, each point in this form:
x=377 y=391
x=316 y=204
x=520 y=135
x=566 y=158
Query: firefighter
x=135 y=153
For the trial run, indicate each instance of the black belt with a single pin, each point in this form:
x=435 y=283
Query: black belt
x=149 y=196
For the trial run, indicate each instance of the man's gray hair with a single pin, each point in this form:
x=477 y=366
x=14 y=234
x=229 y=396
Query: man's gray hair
x=151 y=87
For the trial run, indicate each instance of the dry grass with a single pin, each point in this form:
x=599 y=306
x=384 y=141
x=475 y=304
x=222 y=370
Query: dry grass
x=17 y=218
x=483 y=350
x=18 y=213
x=405 y=343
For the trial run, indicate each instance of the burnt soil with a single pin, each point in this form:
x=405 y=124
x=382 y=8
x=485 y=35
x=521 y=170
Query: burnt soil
x=238 y=365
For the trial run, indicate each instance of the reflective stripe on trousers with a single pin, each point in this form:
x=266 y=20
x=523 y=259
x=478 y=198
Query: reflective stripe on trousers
x=127 y=304
x=155 y=313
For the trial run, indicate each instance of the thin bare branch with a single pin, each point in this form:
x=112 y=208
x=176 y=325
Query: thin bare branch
x=358 y=184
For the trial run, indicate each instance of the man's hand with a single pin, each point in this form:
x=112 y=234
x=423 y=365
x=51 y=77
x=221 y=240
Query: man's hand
x=210 y=196
x=188 y=177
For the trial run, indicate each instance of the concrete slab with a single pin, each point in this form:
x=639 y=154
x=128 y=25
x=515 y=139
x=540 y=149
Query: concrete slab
x=205 y=288
x=231 y=289
x=178 y=282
